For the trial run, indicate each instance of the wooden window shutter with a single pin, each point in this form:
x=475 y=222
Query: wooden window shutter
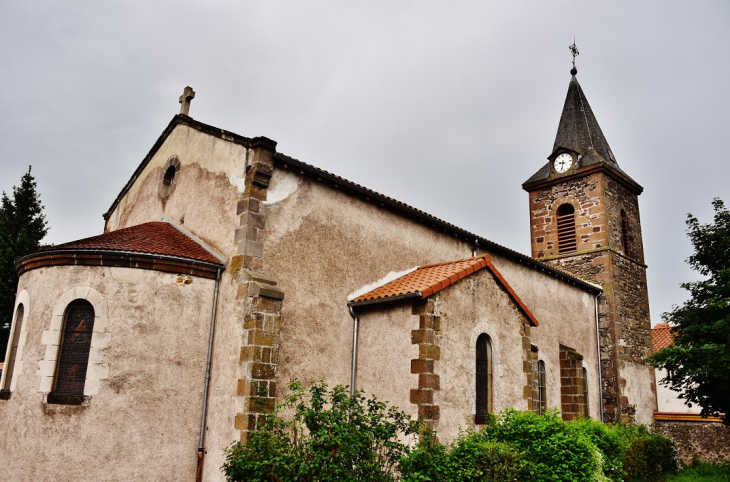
x=567 y=242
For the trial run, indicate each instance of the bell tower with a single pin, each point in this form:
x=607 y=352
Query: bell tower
x=584 y=219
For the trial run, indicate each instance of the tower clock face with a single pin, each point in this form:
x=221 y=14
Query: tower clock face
x=563 y=162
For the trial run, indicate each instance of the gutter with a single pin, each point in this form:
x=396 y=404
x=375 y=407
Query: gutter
x=353 y=366
x=598 y=348
x=201 y=447
x=140 y=254
x=377 y=301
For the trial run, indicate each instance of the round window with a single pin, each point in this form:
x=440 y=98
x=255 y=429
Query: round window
x=169 y=177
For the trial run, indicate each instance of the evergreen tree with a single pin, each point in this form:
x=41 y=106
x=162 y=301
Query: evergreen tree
x=699 y=360
x=22 y=227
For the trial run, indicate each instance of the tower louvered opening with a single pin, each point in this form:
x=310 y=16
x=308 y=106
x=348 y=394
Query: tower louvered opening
x=567 y=242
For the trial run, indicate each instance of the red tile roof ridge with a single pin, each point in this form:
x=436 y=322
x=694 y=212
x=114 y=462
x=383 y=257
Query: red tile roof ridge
x=432 y=278
x=154 y=238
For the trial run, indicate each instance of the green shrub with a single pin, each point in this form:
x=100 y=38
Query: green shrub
x=469 y=458
x=649 y=456
x=477 y=459
x=557 y=452
x=428 y=461
x=608 y=441
x=329 y=436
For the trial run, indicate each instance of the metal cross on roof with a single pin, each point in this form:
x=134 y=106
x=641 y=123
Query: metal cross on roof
x=188 y=95
x=574 y=51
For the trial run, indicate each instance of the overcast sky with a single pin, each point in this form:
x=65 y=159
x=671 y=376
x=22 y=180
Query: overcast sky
x=447 y=106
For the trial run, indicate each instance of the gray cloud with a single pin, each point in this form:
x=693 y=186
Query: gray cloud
x=448 y=106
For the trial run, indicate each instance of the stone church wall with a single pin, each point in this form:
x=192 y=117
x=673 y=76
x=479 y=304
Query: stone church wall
x=707 y=441
x=361 y=243
x=141 y=420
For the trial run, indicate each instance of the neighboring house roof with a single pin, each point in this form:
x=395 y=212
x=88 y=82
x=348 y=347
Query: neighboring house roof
x=424 y=281
x=353 y=188
x=661 y=336
x=136 y=247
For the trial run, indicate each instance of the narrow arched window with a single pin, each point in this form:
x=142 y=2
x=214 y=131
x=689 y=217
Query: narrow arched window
x=13 y=348
x=541 y=388
x=567 y=242
x=73 y=356
x=586 y=411
x=483 y=379
x=625 y=233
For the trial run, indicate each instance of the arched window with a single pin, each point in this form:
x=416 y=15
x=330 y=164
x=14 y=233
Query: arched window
x=567 y=242
x=625 y=233
x=13 y=348
x=483 y=379
x=73 y=356
x=541 y=388
x=586 y=412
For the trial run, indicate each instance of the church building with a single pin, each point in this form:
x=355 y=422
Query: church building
x=226 y=269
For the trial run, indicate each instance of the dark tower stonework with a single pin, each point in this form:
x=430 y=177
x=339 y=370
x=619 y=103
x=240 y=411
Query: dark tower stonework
x=598 y=239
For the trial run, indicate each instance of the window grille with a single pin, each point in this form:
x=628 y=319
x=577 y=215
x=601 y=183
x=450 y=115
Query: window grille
x=73 y=355
x=483 y=379
x=567 y=242
x=541 y=388
x=587 y=411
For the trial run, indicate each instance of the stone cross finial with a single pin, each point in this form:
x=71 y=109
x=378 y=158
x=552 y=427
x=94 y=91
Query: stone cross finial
x=188 y=95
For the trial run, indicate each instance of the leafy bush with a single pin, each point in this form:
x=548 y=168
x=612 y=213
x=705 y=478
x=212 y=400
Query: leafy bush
x=608 y=441
x=329 y=436
x=558 y=452
x=649 y=456
x=469 y=458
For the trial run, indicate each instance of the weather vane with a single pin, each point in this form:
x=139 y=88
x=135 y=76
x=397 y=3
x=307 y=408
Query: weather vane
x=574 y=51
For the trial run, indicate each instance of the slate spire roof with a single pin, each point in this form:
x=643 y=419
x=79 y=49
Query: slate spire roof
x=578 y=128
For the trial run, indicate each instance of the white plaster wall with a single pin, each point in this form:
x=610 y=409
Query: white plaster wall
x=385 y=353
x=469 y=308
x=566 y=315
x=207 y=188
x=640 y=389
x=667 y=400
x=143 y=422
x=321 y=244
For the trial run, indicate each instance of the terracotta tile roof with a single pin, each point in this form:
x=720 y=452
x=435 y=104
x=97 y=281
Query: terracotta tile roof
x=424 y=281
x=151 y=238
x=661 y=336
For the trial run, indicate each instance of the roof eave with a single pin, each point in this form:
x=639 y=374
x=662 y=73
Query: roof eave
x=388 y=299
x=634 y=186
x=482 y=242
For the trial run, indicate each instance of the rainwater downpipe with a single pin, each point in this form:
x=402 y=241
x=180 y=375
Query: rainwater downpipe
x=598 y=347
x=353 y=369
x=201 y=448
